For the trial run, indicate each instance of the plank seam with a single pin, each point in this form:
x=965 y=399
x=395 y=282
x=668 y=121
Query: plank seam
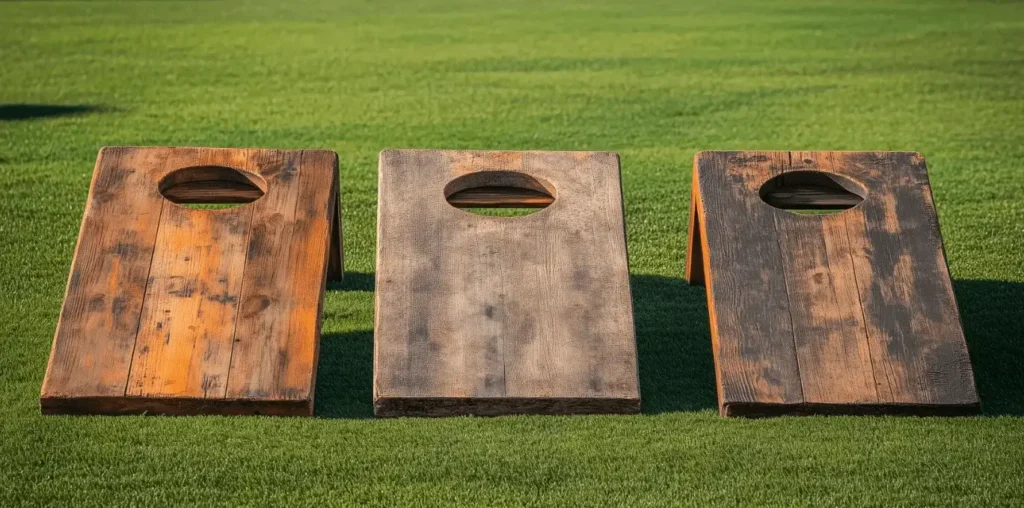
x=297 y=190
x=708 y=285
x=145 y=292
x=789 y=301
x=789 y=304
x=856 y=285
x=145 y=289
x=863 y=313
x=241 y=291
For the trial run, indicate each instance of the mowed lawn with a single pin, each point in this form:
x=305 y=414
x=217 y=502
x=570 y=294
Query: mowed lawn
x=654 y=81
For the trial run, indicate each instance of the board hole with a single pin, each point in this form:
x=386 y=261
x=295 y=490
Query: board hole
x=502 y=212
x=212 y=187
x=812 y=192
x=499 y=194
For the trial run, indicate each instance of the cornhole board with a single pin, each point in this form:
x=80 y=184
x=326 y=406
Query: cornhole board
x=178 y=310
x=848 y=313
x=490 y=315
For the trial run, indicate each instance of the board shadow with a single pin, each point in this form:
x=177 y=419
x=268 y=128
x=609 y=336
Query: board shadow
x=12 y=112
x=353 y=281
x=993 y=316
x=677 y=366
x=344 y=377
x=673 y=348
x=673 y=345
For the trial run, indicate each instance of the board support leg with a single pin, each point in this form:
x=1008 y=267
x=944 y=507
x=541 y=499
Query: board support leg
x=694 y=246
x=336 y=257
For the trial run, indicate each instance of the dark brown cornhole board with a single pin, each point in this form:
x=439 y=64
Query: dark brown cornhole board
x=175 y=310
x=496 y=315
x=848 y=313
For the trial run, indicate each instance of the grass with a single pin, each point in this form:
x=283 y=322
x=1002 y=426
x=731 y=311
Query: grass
x=652 y=80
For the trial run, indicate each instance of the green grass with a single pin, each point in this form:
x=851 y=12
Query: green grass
x=652 y=80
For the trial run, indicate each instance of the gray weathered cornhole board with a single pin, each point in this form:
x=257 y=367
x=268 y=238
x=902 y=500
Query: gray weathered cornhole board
x=496 y=315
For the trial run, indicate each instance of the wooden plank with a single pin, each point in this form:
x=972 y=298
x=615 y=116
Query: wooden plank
x=872 y=312
x=912 y=318
x=752 y=330
x=828 y=329
x=95 y=337
x=498 y=315
x=858 y=268
x=277 y=334
x=183 y=347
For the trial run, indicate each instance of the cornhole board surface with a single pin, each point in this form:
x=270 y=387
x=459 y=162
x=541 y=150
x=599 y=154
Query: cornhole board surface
x=492 y=315
x=175 y=310
x=846 y=313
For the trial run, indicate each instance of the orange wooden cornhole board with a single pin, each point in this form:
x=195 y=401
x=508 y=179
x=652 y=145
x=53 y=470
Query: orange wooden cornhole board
x=851 y=312
x=494 y=315
x=177 y=310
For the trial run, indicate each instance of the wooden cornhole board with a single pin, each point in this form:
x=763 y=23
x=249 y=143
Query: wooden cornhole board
x=846 y=313
x=176 y=310
x=495 y=315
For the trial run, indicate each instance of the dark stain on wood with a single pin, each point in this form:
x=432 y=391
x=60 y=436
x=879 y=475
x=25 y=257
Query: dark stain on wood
x=172 y=310
x=851 y=313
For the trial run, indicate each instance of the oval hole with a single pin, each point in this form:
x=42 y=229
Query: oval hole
x=212 y=187
x=499 y=193
x=812 y=192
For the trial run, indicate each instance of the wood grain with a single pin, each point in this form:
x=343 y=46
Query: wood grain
x=832 y=353
x=188 y=320
x=766 y=371
x=851 y=313
x=95 y=337
x=175 y=310
x=499 y=315
x=277 y=336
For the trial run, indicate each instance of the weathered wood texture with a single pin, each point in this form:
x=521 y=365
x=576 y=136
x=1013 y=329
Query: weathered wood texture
x=496 y=315
x=175 y=310
x=847 y=313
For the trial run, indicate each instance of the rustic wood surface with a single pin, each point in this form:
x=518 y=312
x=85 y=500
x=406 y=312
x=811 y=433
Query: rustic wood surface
x=847 y=313
x=497 y=315
x=175 y=310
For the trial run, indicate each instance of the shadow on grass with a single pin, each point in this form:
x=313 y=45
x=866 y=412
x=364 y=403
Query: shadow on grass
x=344 y=378
x=677 y=366
x=673 y=345
x=674 y=348
x=353 y=281
x=10 y=112
x=993 y=315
